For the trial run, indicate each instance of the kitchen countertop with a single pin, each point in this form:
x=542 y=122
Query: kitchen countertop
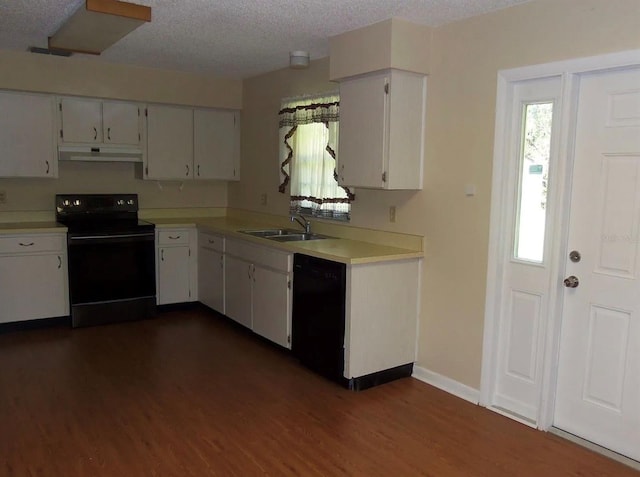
x=31 y=227
x=342 y=250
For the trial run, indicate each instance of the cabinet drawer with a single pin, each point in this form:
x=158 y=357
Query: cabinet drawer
x=32 y=243
x=211 y=241
x=267 y=257
x=173 y=237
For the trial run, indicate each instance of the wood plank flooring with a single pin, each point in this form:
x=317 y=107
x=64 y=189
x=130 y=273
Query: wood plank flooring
x=189 y=394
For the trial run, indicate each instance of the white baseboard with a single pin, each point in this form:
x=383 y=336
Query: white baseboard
x=447 y=384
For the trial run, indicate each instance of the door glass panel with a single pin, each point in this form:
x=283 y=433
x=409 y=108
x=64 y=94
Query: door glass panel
x=534 y=176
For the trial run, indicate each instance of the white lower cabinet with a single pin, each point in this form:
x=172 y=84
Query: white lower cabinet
x=176 y=266
x=33 y=277
x=381 y=316
x=271 y=305
x=257 y=289
x=211 y=271
x=238 y=293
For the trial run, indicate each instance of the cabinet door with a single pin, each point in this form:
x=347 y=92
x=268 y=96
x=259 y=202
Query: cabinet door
x=169 y=142
x=238 y=277
x=216 y=142
x=121 y=123
x=363 y=131
x=81 y=120
x=32 y=287
x=272 y=305
x=211 y=278
x=174 y=275
x=27 y=135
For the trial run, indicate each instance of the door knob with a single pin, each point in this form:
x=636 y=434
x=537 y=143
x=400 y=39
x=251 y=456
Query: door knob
x=571 y=282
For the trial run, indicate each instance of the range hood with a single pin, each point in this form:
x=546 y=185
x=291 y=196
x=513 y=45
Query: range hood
x=99 y=154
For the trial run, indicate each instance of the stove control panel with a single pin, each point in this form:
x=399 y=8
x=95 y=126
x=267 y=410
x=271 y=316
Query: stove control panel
x=86 y=204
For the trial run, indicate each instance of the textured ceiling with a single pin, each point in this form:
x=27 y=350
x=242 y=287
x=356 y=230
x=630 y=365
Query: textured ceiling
x=231 y=38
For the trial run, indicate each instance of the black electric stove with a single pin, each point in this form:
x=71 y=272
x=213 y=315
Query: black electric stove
x=111 y=257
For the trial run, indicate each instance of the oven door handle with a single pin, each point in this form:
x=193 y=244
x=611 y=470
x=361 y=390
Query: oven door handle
x=111 y=238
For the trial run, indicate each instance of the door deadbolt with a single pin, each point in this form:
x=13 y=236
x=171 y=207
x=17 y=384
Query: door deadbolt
x=575 y=256
x=571 y=282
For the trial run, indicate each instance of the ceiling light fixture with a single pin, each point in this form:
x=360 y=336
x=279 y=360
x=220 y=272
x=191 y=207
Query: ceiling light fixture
x=97 y=25
x=298 y=59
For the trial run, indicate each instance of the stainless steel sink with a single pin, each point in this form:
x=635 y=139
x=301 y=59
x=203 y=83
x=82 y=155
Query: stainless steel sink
x=296 y=237
x=283 y=235
x=269 y=232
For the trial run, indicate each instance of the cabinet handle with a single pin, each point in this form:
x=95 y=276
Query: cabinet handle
x=174 y=238
x=249 y=272
x=59 y=262
x=109 y=134
x=198 y=170
x=162 y=255
x=26 y=244
x=212 y=241
x=95 y=133
x=187 y=166
x=47 y=163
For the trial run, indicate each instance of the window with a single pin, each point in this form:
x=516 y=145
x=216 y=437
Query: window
x=308 y=152
x=534 y=177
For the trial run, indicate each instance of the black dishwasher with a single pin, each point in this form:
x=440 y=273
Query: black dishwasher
x=319 y=315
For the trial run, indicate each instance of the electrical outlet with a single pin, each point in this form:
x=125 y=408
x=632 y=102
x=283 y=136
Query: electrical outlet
x=263 y=199
x=392 y=213
x=3 y=197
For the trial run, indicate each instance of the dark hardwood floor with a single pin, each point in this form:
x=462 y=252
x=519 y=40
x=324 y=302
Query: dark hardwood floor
x=189 y=394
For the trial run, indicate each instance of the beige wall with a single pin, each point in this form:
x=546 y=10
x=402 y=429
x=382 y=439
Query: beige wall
x=90 y=77
x=392 y=43
x=465 y=58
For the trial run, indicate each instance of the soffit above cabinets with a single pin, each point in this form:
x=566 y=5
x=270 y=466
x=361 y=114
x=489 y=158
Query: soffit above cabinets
x=232 y=39
x=98 y=24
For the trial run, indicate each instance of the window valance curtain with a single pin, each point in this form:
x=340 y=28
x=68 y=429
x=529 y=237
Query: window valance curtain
x=308 y=150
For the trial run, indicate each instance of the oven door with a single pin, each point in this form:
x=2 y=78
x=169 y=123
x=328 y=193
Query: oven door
x=104 y=268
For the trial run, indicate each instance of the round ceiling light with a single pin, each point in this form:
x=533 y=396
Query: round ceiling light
x=299 y=59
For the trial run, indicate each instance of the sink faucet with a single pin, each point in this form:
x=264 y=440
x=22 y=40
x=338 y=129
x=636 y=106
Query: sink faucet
x=304 y=222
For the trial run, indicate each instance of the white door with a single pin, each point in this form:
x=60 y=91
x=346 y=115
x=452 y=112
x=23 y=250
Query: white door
x=32 y=287
x=81 y=120
x=211 y=278
x=598 y=387
x=272 y=305
x=121 y=123
x=174 y=284
x=216 y=139
x=238 y=278
x=27 y=135
x=363 y=124
x=169 y=142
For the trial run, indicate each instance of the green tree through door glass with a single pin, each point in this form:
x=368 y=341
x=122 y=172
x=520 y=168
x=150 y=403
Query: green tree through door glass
x=534 y=177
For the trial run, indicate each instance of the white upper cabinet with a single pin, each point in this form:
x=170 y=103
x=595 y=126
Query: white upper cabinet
x=382 y=123
x=80 y=120
x=169 y=143
x=216 y=144
x=27 y=135
x=186 y=143
x=121 y=123
x=93 y=121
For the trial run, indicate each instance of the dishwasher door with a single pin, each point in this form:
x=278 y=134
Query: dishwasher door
x=318 y=319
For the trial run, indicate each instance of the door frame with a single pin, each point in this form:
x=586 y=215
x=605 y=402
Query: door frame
x=570 y=72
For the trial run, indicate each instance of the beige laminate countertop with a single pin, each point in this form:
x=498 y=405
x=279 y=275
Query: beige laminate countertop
x=337 y=249
x=31 y=227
